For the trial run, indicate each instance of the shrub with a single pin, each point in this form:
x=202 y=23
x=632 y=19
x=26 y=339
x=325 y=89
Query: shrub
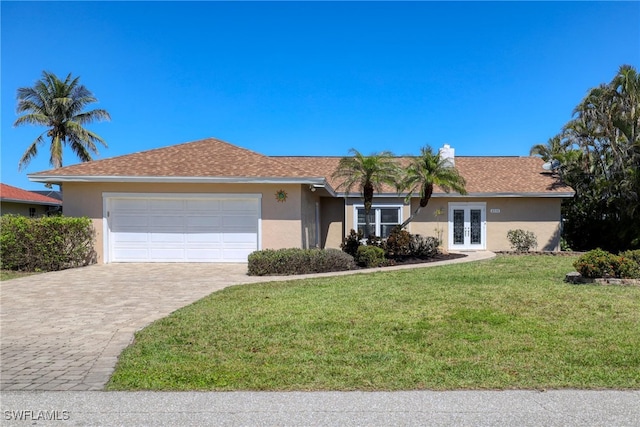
x=521 y=240
x=632 y=255
x=398 y=244
x=352 y=242
x=298 y=261
x=45 y=244
x=370 y=256
x=631 y=269
x=424 y=247
x=598 y=263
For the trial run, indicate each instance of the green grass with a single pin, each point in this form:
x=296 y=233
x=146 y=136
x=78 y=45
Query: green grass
x=8 y=274
x=506 y=323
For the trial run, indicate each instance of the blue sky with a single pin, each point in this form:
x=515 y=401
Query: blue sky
x=302 y=78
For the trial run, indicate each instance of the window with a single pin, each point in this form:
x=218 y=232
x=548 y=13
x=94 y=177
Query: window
x=382 y=219
x=32 y=212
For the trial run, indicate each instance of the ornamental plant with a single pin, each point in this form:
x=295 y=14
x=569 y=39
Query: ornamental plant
x=602 y=264
x=521 y=240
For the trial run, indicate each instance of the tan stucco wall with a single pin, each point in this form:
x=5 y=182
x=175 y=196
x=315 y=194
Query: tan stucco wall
x=332 y=222
x=308 y=221
x=22 y=209
x=281 y=223
x=539 y=215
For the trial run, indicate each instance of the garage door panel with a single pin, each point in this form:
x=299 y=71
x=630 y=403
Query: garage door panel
x=204 y=255
x=167 y=238
x=204 y=238
x=168 y=205
x=129 y=222
x=131 y=204
x=209 y=221
x=245 y=238
x=132 y=254
x=239 y=205
x=239 y=221
x=130 y=237
x=205 y=206
x=167 y=254
x=148 y=229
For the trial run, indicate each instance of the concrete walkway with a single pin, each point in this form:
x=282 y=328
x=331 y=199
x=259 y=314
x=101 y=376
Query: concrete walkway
x=65 y=330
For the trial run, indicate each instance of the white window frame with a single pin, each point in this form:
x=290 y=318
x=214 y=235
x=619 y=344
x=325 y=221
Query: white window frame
x=377 y=220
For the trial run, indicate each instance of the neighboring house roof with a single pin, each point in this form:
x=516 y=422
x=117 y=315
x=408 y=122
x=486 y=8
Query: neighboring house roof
x=13 y=194
x=212 y=160
x=49 y=193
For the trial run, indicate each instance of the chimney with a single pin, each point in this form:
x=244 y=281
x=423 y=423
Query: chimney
x=448 y=154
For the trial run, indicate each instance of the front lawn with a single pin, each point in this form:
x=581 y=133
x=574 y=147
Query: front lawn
x=510 y=322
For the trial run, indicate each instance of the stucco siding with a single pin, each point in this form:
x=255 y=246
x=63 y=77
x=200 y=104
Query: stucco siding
x=309 y=220
x=332 y=222
x=539 y=215
x=281 y=221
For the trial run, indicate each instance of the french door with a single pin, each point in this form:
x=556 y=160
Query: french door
x=467 y=226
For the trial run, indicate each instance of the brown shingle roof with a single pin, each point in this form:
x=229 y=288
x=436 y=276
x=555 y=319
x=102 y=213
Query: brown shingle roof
x=205 y=158
x=482 y=174
x=15 y=194
x=214 y=158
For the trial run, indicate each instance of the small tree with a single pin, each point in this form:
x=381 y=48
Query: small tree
x=368 y=174
x=425 y=171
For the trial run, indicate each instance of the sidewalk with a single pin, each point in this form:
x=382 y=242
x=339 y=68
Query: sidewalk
x=412 y=408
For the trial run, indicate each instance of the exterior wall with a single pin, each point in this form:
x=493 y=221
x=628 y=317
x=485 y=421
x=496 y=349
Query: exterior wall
x=542 y=216
x=332 y=222
x=308 y=220
x=281 y=221
x=22 y=209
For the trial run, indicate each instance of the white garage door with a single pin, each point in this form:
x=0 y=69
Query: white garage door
x=148 y=228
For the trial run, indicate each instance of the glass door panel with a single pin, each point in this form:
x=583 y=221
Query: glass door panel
x=467 y=226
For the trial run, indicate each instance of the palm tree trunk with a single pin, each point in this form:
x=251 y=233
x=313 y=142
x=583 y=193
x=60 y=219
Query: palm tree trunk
x=424 y=200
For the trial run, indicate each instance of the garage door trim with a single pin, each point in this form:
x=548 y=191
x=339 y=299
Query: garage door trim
x=107 y=197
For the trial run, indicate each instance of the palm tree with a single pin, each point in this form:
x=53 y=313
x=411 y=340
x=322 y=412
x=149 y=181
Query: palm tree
x=59 y=106
x=368 y=174
x=425 y=171
x=552 y=150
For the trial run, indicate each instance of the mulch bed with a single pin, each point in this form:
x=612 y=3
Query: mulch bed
x=413 y=260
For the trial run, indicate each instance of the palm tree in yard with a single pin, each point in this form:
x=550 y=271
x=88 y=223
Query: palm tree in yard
x=424 y=172
x=368 y=174
x=59 y=105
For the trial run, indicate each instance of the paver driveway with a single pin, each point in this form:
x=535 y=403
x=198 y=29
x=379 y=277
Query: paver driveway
x=64 y=330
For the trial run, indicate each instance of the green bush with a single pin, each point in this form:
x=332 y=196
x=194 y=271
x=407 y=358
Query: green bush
x=352 y=242
x=632 y=255
x=298 y=261
x=45 y=244
x=631 y=269
x=424 y=247
x=521 y=240
x=599 y=263
x=370 y=256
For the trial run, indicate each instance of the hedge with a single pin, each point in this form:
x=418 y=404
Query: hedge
x=298 y=261
x=45 y=244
